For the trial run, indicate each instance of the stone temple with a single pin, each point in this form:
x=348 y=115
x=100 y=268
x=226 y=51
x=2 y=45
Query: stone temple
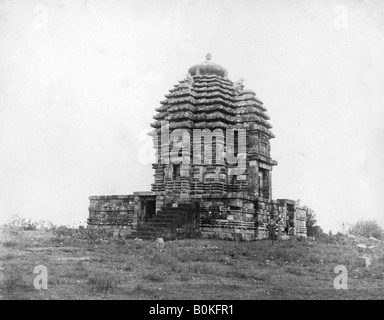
x=213 y=170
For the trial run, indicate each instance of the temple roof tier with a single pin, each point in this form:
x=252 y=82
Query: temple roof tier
x=206 y=98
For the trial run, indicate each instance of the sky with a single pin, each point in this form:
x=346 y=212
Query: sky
x=80 y=81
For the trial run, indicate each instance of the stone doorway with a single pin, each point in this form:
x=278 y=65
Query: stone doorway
x=149 y=208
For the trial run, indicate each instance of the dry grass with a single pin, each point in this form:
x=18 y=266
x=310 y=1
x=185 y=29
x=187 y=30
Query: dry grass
x=103 y=281
x=9 y=244
x=83 y=268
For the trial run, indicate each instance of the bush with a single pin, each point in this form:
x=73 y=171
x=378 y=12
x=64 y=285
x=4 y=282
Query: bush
x=313 y=230
x=367 y=228
x=62 y=232
x=17 y=224
x=332 y=239
x=93 y=235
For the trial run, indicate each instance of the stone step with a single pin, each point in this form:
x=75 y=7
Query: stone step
x=174 y=214
x=171 y=210
x=176 y=211
x=188 y=207
x=165 y=216
x=154 y=229
x=160 y=220
x=168 y=215
x=156 y=224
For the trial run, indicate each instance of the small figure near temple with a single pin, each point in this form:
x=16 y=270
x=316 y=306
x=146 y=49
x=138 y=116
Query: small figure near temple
x=271 y=231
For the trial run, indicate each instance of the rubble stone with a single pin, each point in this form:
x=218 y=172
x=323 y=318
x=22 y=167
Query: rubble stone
x=361 y=247
x=374 y=240
x=160 y=244
x=364 y=261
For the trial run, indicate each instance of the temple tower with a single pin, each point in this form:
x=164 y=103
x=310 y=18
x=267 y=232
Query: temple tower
x=215 y=127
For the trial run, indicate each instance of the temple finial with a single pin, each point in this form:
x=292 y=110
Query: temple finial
x=208 y=56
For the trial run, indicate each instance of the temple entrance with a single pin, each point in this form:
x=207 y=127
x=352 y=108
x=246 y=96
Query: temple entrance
x=146 y=206
x=149 y=209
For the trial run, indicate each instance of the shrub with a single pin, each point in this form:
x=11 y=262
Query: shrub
x=17 y=224
x=332 y=239
x=94 y=235
x=313 y=230
x=367 y=228
x=62 y=232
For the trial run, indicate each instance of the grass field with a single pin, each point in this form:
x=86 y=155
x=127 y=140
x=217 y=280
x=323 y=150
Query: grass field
x=80 y=268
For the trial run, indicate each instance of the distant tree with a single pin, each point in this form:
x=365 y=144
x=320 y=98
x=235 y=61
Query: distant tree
x=313 y=230
x=367 y=228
